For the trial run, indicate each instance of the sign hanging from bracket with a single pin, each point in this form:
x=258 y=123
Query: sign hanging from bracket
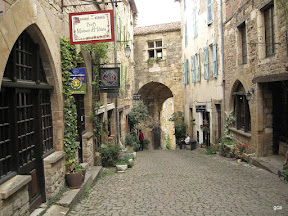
x=91 y=27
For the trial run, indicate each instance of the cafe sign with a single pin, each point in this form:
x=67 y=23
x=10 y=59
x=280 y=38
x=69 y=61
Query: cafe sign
x=91 y=27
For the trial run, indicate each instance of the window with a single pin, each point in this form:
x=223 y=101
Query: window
x=241 y=107
x=209 y=12
x=269 y=30
x=155 y=49
x=242 y=30
x=25 y=110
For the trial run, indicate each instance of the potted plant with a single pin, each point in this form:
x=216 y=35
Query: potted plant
x=75 y=175
x=121 y=164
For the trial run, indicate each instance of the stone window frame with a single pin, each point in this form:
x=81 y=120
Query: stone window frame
x=242 y=43
x=261 y=39
x=155 y=48
x=241 y=110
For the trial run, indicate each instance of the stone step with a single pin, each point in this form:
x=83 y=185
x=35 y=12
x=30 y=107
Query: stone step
x=72 y=196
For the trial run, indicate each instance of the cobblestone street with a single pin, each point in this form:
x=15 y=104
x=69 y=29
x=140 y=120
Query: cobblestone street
x=186 y=183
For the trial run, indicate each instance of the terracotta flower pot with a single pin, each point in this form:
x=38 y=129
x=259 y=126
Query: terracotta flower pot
x=74 y=180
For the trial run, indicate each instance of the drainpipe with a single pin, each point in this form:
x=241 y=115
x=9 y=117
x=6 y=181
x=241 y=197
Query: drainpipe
x=115 y=60
x=222 y=60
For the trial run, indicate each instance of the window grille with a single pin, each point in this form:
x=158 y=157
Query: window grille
x=25 y=110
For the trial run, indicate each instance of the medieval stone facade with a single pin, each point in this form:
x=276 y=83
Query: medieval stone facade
x=157 y=51
x=255 y=50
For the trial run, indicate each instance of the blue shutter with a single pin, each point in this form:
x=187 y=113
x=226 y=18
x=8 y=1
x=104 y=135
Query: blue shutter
x=193 y=69
x=184 y=4
x=187 y=71
x=215 y=72
x=199 y=67
x=195 y=23
x=206 y=64
x=183 y=69
x=186 y=35
x=209 y=11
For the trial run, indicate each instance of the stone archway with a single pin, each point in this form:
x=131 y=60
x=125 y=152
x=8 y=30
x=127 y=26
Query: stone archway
x=153 y=95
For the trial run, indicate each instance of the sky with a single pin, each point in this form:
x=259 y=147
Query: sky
x=152 y=12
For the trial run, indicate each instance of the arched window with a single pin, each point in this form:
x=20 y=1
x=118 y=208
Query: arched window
x=241 y=109
x=26 y=132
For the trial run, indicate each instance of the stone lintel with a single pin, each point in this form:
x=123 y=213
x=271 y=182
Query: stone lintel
x=13 y=185
x=271 y=78
x=54 y=157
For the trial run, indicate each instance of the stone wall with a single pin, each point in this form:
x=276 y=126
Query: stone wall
x=54 y=170
x=260 y=139
x=14 y=197
x=18 y=204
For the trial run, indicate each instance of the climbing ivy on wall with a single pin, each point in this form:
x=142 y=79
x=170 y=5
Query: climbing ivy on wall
x=69 y=59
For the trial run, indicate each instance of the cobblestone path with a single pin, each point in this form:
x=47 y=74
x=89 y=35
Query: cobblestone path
x=186 y=183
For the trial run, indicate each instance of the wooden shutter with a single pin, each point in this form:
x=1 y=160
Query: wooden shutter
x=199 y=67
x=193 y=69
x=209 y=12
x=183 y=70
x=206 y=63
x=195 y=23
x=186 y=70
x=215 y=72
x=186 y=35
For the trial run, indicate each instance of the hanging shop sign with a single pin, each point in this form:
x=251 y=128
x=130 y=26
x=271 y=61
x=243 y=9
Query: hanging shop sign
x=201 y=108
x=109 y=78
x=78 y=80
x=91 y=27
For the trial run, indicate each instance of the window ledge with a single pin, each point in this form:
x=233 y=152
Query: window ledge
x=54 y=157
x=13 y=185
x=240 y=132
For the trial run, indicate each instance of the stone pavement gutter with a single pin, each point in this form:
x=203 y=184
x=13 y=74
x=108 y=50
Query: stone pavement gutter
x=71 y=196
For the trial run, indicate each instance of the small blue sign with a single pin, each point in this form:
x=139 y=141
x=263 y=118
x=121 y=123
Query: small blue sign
x=78 y=83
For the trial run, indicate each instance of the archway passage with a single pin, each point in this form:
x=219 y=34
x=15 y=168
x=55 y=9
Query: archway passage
x=154 y=94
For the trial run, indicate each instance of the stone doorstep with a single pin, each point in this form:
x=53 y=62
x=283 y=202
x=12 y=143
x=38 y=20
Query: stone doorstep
x=264 y=163
x=72 y=196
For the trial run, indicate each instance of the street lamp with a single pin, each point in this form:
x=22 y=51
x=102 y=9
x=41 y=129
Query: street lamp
x=127 y=50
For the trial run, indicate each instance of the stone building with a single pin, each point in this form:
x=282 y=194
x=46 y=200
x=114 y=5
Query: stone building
x=32 y=160
x=202 y=69
x=157 y=53
x=256 y=73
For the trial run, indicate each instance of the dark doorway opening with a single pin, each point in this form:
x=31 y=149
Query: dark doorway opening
x=280 y=113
